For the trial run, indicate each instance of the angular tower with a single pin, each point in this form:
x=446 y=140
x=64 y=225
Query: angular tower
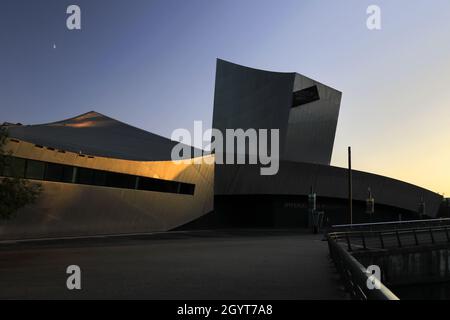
x=304 y=110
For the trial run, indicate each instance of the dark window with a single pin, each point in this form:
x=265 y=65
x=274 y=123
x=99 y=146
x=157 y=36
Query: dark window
x=38 y=170
x=35 y=170
x=118 y=180
x=85 y=176
x=168 y=186
x=99 y=178
x=3 y=160
x=58 y=172
x=14 y=167
x=53 y=172
x=305 y=96
x=150 y=184
x=67 y=174
x=187 y=188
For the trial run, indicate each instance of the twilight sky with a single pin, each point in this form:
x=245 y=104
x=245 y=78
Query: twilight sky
x=151 y=64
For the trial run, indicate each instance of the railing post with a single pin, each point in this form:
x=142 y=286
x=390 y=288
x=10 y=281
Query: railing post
x=398 y=238
x=349 y=245
x=415 y=237
x=363 y=241
x=381 y=240
x=431 y=235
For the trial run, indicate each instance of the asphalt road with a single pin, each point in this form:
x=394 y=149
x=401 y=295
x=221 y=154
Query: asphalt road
x=185 y=265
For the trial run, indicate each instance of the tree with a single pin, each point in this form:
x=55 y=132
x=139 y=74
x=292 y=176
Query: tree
x=15 y=192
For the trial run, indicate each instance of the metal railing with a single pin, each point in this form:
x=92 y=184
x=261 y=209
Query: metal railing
x=355 y=276
x=391 y=225
x=394 y=238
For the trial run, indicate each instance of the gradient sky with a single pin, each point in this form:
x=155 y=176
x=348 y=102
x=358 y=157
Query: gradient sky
x=152 y=64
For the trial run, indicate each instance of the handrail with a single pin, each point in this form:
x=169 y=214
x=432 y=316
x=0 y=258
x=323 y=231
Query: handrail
x=391 y=231
x=396 y=235
x=355 y=276
x=391 y=223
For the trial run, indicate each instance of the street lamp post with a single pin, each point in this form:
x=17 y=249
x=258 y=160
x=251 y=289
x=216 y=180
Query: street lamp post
x=350 y=191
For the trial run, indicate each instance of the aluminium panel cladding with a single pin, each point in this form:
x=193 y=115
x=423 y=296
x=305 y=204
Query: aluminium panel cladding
x=312 y=126
x=97 y=135
x=71 y=209
x=247 y=98
x=250 y=98
x=296 y=178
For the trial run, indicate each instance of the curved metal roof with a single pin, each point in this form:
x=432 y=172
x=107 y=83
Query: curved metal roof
x=95 y=134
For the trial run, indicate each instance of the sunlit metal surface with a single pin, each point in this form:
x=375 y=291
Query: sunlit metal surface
x=98 y=135
x=66 y=209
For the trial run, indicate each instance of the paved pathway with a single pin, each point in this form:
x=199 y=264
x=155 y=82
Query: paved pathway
x=187 y=265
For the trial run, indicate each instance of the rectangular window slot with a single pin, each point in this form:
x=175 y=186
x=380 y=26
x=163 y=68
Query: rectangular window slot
x=305 y=96
x=48 y=171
